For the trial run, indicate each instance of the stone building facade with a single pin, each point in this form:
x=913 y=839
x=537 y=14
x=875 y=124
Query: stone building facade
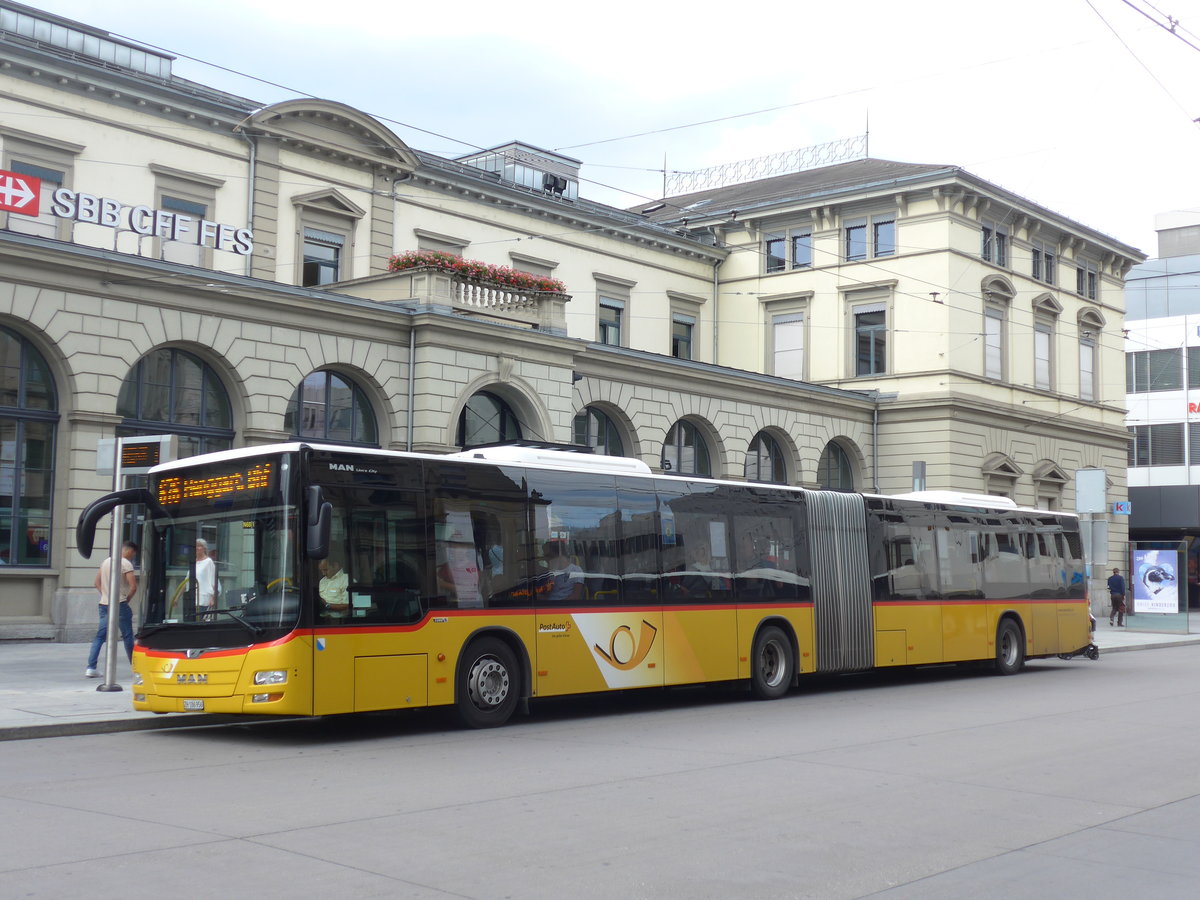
x=201 y=264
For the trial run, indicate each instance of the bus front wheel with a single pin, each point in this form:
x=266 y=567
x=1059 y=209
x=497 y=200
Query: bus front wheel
x=771 y=664
x=1010 y=648
x=489 y=684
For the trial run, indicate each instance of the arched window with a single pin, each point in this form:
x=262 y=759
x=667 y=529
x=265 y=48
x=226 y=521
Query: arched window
x=764 y=460
x=685 y=452
x=170 y=391
x=486 y=419
x=834 y=472
x=596 y=430
x=330 y=407
x=28 y=422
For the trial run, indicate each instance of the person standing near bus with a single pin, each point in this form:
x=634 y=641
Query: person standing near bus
x=124 y=612
x=206 y=577
x=1116 y=594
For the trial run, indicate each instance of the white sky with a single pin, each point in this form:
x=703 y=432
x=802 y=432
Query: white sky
x=1083 y=106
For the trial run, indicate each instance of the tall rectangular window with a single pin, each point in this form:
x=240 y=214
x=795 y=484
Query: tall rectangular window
x=993 y=343
x=611 y=313
x=787 y=352
x=856 y=239
x=870 y=340
x=1044 y=256
x=1087 y=369
x=802 y=250
x=682 y=328
x=994 y=243
x=1042 y=348
x=775 y=246
x=322 y=257
x=883 y=236
x=1086 y=279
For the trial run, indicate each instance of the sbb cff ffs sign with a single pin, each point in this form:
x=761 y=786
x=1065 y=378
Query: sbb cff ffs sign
x=20 y=193
x=23 y=194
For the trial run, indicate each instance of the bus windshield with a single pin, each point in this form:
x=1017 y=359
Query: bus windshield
x=220 y=554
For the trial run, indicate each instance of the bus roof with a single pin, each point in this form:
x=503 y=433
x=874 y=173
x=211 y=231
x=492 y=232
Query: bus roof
x=558 y=459
x=541 y=457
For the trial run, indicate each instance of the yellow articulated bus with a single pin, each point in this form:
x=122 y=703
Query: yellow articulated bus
x=301 y=579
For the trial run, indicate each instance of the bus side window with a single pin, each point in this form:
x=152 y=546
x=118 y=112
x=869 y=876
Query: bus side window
x=573 y=516
x=456 y=558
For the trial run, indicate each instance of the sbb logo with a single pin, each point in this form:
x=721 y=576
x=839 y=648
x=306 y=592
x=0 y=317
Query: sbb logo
x=20 y=193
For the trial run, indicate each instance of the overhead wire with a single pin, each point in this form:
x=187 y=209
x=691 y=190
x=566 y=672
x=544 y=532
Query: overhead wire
x=1139 y=60
x=949 y=291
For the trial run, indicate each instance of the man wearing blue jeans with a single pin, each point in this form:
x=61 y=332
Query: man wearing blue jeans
x=124 y=612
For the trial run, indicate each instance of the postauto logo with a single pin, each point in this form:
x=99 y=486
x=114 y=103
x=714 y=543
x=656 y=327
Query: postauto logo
x=624 y=651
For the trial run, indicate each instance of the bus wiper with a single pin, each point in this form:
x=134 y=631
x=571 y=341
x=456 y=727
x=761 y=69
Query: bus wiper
x=233 y=613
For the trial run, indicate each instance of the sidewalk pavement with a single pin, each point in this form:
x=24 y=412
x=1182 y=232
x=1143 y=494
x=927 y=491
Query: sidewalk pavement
x=43 y=691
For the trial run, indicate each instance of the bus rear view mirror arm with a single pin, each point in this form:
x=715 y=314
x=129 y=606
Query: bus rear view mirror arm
x=85 y=529
x=320 y=514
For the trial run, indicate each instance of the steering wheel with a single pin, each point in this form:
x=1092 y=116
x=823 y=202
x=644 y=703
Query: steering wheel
x=287 y=583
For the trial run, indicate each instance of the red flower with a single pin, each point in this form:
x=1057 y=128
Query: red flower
x=475 y=270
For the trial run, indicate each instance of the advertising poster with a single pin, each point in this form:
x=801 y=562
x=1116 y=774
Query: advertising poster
x=1154 y=581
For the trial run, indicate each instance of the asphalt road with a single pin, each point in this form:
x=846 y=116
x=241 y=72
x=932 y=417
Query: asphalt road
x=1073 y=779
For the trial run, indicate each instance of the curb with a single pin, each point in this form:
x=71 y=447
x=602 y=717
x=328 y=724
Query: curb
x=113 y=726
x=1166 y=645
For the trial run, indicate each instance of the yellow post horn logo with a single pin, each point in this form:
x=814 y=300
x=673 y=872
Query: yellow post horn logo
x=641 y=647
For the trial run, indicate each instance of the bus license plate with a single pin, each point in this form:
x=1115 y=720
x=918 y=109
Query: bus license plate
x=197 y=705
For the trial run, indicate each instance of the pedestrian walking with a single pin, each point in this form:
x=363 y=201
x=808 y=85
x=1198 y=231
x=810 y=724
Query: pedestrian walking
x=1116 y=596
x=124 y=612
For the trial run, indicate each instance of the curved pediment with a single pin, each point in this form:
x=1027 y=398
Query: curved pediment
x=1091 y=319
x=998 y=288
x=333 y=130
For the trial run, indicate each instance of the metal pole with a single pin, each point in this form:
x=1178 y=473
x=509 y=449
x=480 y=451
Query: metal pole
x=115 y=577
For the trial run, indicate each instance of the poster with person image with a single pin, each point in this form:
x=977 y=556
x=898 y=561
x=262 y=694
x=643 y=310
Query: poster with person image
x=1154 y=581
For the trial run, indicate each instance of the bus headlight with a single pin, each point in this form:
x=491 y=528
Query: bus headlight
x=271 y=676
x=137 y=678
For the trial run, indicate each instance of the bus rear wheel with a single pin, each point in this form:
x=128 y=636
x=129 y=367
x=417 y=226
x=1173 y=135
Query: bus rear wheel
x=771 y=664
x=489 y=684
x=1010 y=648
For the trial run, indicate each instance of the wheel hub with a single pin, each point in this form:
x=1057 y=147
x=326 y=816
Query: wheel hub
x=488 y=683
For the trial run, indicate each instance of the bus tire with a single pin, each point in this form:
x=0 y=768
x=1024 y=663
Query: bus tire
x=771 y=664
x=1010 y=648
x=489 y=684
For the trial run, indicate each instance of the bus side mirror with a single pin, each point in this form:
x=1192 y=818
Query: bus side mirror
x=320 y=514
x=85 y=529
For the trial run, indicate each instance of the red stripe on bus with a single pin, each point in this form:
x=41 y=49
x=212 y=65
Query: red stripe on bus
x=233 y=651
